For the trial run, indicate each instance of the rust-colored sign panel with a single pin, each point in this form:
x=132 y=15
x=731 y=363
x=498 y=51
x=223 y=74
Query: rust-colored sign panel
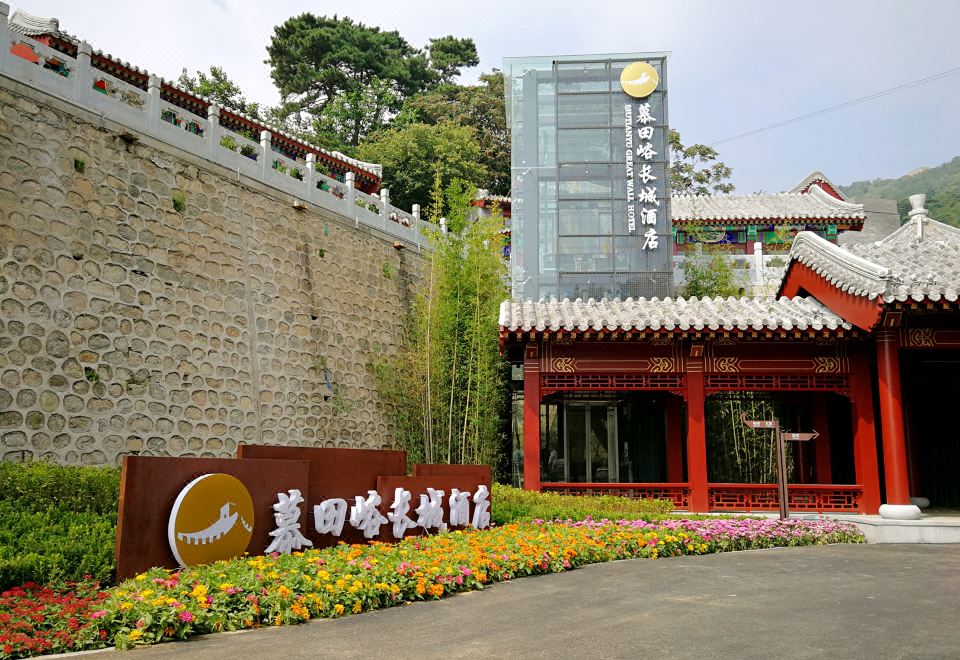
x=482 y=473
x=335 y=473
x=150 y=487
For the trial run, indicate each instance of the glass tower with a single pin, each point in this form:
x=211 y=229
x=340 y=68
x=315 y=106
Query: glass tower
x=590 y=177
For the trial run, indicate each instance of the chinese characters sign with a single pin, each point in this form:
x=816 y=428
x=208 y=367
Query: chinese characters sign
x=643 y=171
x=284 y=499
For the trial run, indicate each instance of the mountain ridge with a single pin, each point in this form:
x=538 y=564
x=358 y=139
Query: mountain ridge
x=941 y=184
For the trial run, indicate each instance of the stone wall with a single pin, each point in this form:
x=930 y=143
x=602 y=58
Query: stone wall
x=155 y=303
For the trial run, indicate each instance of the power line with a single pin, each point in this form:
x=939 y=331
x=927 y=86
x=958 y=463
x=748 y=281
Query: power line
x=863 y=99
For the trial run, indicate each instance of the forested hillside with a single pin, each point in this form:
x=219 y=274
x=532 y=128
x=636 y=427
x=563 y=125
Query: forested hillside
x=941 y=185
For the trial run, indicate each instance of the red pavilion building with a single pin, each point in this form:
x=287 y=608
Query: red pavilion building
x=863 y=342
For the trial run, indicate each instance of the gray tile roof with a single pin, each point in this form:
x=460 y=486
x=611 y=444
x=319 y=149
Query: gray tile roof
x=30 y=26
x=669 y=314
x=918 y=261
x=814 y=204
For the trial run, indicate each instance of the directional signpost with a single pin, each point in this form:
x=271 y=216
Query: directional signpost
x=780 y=437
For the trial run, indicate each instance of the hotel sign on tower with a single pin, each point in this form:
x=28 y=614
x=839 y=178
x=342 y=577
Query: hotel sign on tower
x=590 y=176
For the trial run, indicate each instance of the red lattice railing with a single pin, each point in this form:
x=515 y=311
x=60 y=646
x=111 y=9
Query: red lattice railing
x=763 y=497
x=677 y=493
x=803 y=382
x=590 y=381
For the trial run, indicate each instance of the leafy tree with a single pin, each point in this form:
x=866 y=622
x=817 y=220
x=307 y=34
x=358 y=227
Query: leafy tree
x=218 y=87
x=444 y=388
x=316 y=59
x=693 y=170
x=479 y=106
x=355 y=113
x=708 y=275
x=448 y=55
x=411 y=155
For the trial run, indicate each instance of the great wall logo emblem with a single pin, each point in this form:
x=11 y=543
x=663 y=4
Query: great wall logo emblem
x=211 y=519
x=639 y=80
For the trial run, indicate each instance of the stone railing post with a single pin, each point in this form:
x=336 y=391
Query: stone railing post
x=265 y=154
x=349 y=182
x=153 y=104
x=213 y=129
x=415 y=212
x=83 y=76
x=385 y=205
x=4 y=35
x=310 y=175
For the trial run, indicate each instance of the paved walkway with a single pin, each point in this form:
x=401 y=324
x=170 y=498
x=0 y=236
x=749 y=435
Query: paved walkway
x=866 y=601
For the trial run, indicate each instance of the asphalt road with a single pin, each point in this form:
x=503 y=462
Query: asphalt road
x=873 y=601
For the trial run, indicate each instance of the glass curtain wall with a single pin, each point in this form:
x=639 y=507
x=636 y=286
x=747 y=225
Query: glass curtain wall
x=571 y=237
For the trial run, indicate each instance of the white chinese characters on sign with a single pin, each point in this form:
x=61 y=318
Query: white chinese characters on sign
x=398 y=514
x=329 y=516
x=459 y=508
x=481 y=513
x=641 y=174
x=287 y=536
x=364 y=515
x=430 y=511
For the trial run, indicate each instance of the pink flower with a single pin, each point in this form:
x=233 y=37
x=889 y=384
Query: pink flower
x=186 y=617
x=98 y=614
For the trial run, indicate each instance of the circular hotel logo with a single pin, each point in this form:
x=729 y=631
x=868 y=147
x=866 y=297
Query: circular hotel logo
x=212 y=519
x=639 y=80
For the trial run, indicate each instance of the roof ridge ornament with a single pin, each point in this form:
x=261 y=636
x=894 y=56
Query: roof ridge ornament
x=917 y=213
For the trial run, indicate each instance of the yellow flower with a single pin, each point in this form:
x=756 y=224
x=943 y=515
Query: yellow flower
x=225 y=586
x=300 y=611
x=358 y=607
x=338 y=609
x=283 y=591
x=125 y=605
x=141 y=578
x=135 y=635
x=199 y=591
x=146 y=592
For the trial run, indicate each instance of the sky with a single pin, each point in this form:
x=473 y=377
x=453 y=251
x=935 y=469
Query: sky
x=735 y=66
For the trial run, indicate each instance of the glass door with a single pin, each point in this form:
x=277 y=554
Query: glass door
x=590 y=442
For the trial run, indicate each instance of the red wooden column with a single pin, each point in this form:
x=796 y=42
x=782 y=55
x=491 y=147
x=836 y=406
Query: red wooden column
x=531 y=417
x=674 y=414
x=820 y=420
x=891 y=417
x=864 y=430
x=696 y=437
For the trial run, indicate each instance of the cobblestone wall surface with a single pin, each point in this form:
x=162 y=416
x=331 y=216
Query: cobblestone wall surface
x=150 y=305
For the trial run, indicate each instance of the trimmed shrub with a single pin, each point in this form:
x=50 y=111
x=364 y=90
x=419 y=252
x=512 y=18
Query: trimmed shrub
x=514 y=504
x=56 y=523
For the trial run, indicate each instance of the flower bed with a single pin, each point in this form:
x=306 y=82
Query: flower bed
x=274 y=590
x=36 y=620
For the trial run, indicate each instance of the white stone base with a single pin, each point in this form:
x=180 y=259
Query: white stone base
x=900 y=511
x=921 y=502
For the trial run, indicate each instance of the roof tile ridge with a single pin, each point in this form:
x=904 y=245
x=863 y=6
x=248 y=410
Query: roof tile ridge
x=824 y=248
x=822 y=195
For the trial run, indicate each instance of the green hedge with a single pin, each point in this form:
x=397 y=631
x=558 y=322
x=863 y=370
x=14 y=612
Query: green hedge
x=56 y=523
x=513 y=504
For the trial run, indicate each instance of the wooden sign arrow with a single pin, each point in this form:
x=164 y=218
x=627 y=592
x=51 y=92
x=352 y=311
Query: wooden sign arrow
x=759 y=423
x=800 y=437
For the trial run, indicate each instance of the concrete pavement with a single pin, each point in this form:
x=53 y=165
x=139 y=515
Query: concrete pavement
x=845 y=601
